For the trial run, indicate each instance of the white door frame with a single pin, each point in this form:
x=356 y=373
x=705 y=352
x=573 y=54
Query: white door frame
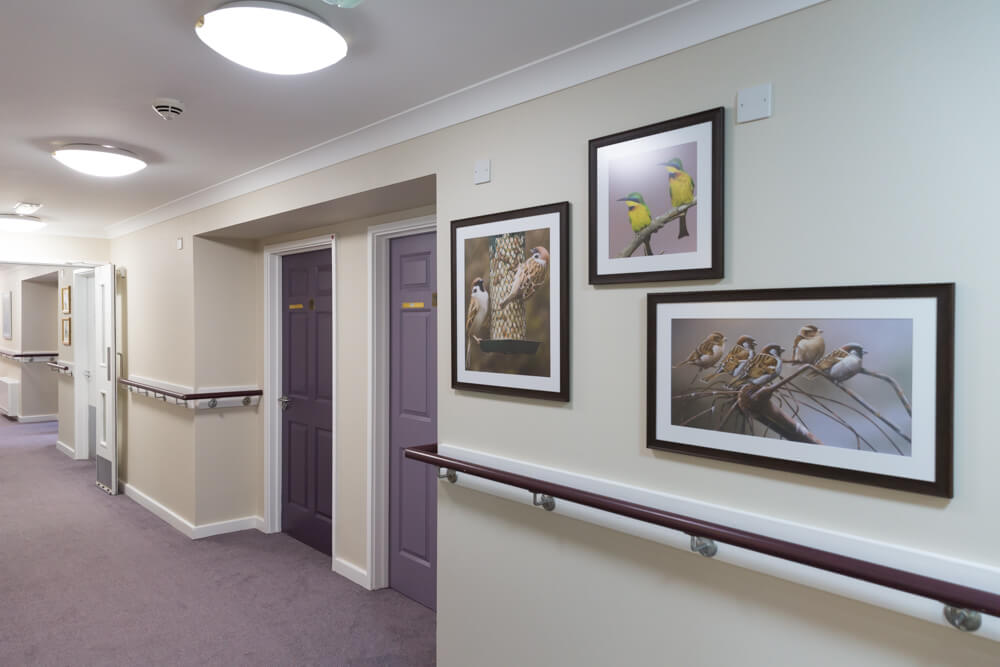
x=377 y=481
x=273 y=375
x=83 y=304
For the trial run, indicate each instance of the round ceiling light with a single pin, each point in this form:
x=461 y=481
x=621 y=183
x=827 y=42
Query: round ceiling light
x=12 y=222
x=271 y=37
x=103 y=161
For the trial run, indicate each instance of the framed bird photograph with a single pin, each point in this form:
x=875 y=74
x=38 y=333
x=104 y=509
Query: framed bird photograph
x=510 y=303
x=656 y=201
x=849 y=383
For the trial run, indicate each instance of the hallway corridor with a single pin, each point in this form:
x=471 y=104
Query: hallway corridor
x=92 y=580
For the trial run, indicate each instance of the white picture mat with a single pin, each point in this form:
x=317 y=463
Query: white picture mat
x=922 y=311
x=701 y=134
x=548 y=221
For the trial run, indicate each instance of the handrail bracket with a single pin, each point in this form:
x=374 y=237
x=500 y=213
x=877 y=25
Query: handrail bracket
x=966 y=620
x=704 y=546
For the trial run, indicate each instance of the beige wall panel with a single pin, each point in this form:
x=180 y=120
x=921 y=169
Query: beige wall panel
x=39 y=319
x=67 y=421
x=226 y=460
x=159 y=303
x=39 y=391
x=158 y=455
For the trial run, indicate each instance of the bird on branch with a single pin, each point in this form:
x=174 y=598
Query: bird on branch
x=809 y=345
x=638 y=216
x=736 y=359
x=531 y=274
x=761 y=369
x=477 y=316
x=843 y=363
x=707 y=354
x=680 y=191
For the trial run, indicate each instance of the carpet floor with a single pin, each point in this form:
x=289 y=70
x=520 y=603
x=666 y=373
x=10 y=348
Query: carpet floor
x=89 y=579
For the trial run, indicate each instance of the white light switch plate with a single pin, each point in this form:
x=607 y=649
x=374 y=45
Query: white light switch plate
x=753 y=103
x=180 y=243
x=481 y=172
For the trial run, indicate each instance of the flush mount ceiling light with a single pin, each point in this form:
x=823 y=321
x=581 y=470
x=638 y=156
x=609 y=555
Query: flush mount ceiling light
x=271 y=37
x=104 y=161
x=11 y=222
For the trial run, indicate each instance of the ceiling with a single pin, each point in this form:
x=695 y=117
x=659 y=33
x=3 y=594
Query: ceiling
x=88 y=71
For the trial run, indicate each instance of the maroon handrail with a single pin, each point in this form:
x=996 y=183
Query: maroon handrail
x=191 y=397
x=946 y=592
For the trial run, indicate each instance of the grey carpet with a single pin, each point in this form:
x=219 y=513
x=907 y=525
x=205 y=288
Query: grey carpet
x=87 y=579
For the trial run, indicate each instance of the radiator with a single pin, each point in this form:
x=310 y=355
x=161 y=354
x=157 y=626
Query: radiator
x=10 y=392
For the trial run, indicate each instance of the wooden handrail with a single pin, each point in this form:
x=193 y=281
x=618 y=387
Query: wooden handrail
x=946 y=592
x=196 y=396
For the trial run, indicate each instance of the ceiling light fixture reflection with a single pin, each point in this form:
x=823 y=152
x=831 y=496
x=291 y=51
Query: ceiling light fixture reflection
x=271 y=37
x=104 y=161
x=11 y=222
x=25 y=208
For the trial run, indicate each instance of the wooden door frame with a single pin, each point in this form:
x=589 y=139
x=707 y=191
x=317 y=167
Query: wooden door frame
x=273 y=378
x=377 y=428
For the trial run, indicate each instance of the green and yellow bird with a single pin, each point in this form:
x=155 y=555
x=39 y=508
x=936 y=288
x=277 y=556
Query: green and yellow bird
x=681 y=191
x=638 y=216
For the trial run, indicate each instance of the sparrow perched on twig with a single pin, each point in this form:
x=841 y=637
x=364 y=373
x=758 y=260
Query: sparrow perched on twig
x=809 y=345
x=638 y=216
x=530 y=274
x=707 y=354
x=478 y=314
x=761 y=369
x=681 y=191
x=736 y=359
x=843 y=363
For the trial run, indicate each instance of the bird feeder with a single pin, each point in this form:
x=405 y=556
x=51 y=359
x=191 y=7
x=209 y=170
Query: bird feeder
x=508 y=325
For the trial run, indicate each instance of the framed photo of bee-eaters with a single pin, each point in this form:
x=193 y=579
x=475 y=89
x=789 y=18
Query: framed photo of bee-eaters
x=849 y=383
x=510 y=302
x=656 y=201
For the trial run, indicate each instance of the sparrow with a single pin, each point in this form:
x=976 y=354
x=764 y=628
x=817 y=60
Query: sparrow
x=762 y=368
x=530 y=274
x=808 y=346
x=707 y=354
x=475 y=319
x=638 y=216
x=680 y=191
x=736 y=359
x=843 y=363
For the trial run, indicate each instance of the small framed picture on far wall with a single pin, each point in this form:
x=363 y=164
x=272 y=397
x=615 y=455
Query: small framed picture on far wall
x=67 y=331
x=66 y=301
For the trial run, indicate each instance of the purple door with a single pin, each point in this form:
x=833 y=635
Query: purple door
x=307 y=398
x=412 y=417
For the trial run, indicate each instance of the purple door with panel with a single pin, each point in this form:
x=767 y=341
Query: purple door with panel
x=412 y=417
x=307 y=398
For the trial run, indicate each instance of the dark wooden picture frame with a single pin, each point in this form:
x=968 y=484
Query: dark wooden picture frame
x=640 y=187
x=494 y=352
x=872 y=403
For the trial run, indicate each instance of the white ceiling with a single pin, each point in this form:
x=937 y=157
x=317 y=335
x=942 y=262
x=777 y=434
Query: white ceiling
x=87 y=72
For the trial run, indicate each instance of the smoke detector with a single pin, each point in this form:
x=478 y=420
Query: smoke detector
x=167 y=108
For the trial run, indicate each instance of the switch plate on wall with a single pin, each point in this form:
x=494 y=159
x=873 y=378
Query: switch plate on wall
x=481 y=172
x=753 y=103
x=180 y=243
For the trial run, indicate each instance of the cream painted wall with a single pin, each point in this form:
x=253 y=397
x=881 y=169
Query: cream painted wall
x=34 y=329
x=877 y=106
x=67 y=407
x=16 y=248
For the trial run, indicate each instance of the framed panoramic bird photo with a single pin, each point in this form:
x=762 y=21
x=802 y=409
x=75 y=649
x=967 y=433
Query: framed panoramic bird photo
x=656 y=201
x=510 y=303
x=850 y=383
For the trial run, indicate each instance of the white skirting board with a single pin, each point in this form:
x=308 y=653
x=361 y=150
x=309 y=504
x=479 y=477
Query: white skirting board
x=34 y=419
x=352 y=572
x=186 y=527
x=65 y=449
x=966 y=573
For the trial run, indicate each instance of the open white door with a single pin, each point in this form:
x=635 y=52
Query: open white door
x=107 y=378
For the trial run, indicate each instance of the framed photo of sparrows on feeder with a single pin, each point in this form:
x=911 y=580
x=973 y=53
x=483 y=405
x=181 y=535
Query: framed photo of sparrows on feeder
x=656 y=201
x=849 y=383
x=510 y=302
